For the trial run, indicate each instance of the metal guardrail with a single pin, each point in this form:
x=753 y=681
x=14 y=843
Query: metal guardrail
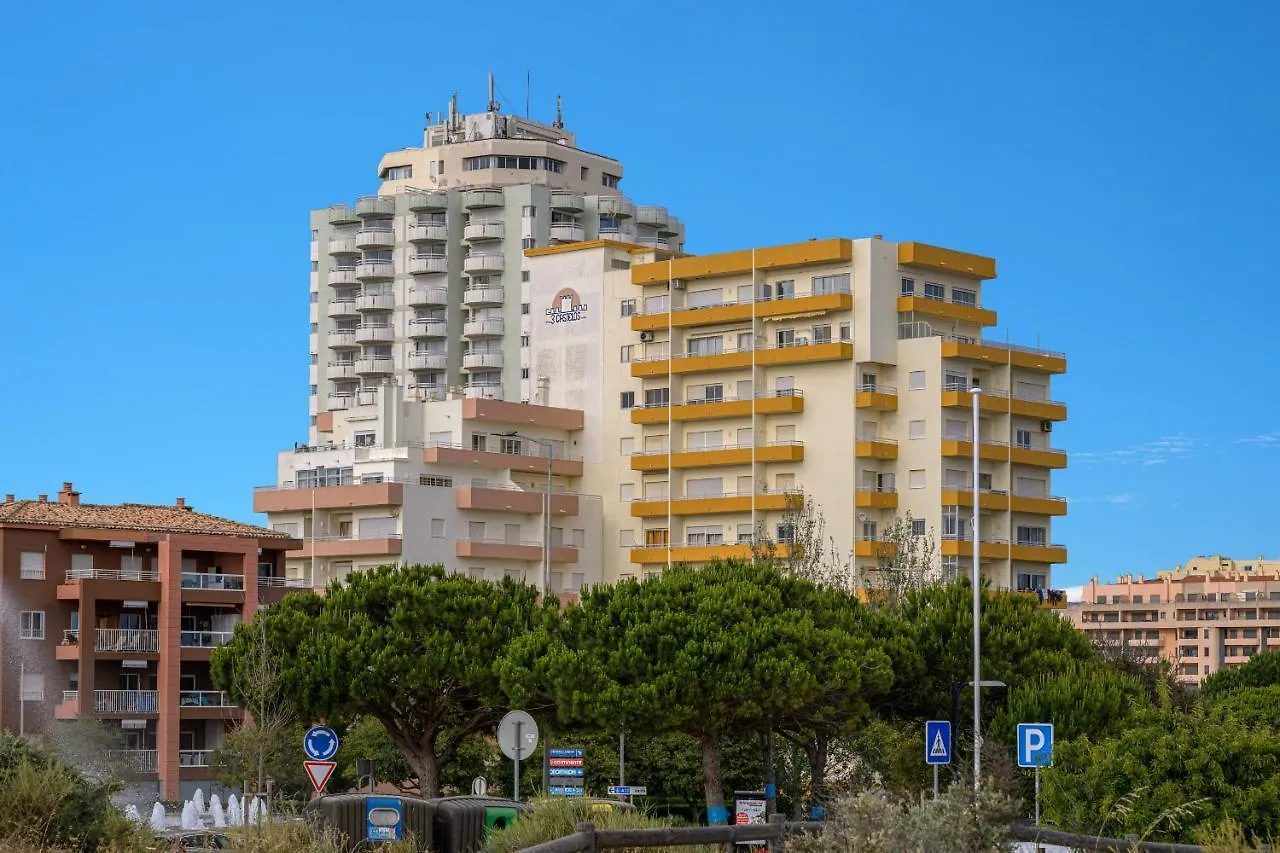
x=1026 y=831
x=97 y=574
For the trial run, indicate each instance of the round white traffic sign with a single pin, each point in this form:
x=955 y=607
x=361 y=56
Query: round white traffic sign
x=517 y=735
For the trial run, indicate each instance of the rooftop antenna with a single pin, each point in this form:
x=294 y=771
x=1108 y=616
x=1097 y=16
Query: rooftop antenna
x=494 y=106
x=559 y=122
x=528 y=84
x=453 y=112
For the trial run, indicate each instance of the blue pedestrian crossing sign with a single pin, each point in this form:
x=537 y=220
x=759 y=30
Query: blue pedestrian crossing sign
x=320 y=743
x=1035 y=744
x=937 y=742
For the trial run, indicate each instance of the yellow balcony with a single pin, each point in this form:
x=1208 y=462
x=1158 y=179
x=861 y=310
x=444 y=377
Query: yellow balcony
x=874 y=548
x=946 y=260
x=1002 y=550
x=879 y=398
x=717 y=505
x=877 y=448
x=729 y=454
x=947 y=310
x=999 y=451
x=991 y=352
x=1005 y=502
x=739 y=359
x=737 y=312
x=832 y=251
x=765 y=403
x=873 y=498
x=649 y=555
x=1001 y=402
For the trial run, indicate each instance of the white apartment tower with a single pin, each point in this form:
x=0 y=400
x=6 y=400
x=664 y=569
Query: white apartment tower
x=424 y=285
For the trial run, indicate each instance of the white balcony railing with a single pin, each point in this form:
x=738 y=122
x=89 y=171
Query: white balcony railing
x=125 y=640
x=207 y=580
x=96 y=574
x=137 y=760
x=71 y=696
x=125 y=701
x=268 y=580
x=194 y=757
x=204 y=699
x=205 y=639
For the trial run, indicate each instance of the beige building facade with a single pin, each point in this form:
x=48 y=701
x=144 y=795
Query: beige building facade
x=423 y=283
x=715 y=387
x=462 y=482
x=1211 y=613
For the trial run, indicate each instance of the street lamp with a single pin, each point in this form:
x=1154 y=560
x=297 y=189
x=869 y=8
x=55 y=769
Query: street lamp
x=976 y=392
x=545 y=584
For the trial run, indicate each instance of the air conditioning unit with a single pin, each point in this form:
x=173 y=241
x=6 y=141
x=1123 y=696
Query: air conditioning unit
x=677 y=284
x=801 y=342
x=1046 y=426
x=646 y=337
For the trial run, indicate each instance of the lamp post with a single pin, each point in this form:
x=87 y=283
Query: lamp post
x=976 y=392
x=545 y=583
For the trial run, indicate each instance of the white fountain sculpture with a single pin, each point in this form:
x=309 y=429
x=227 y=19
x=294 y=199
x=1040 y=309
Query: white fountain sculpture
x=189 y=818
x=131 y=812
x=219 y=816
x=235 y=814
x=198 y=799
x=157 y=821
x=255 y=812
x=264 y=816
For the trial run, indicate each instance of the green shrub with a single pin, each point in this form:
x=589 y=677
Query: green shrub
x=557 y=817
x=876 y=823
x=46 y=802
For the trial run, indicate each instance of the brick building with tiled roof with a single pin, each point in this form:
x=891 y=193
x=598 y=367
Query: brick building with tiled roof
x=111 y=612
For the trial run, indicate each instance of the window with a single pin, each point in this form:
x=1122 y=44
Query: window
x=479 y=441
x=915 y=380
x=704 y=487
x=524 y=275
x=619 y=264
x=528 y=210
x=1023 y=438
x=655 y=304
x=908 y=286
x=437 y=528
x=786 y=532
x=705 y=535
x=654 y=397
x=954 y=380
x=627 y=492
x=933 y=290
x=628 y=307
x=32 y=563
x=524 y=341
x=584 y=173
x=510 y=445
x=785 y=338
x=1031 y=487
x=524 y=307
x=32 y=627
x=953 y=522
x=625 y=353
x=705 y=298
x=366 y=439
x=915 y=478
x=915 y=429
x=785 y=433
x=744 y=534
x=956 y=429
x=784 y=386
x=961 y=296
x=609 y=180
x=830 y=283
x=1028 y=535
x=746 y=341
x=527 y=243
x=703 y=439
x=524 y=373
x=1031 y=580
x=399 y=173
x=786 y=289
x=443 y=482
x=626 y=538
x=844 y=332
x=917 y=527
x=31 y=688
x=626 y=446
x=706 y=346
x=822 y=334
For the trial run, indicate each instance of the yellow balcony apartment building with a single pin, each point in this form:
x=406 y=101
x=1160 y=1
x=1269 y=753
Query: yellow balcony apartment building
x=716 y=386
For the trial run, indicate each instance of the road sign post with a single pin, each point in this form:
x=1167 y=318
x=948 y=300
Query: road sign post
x=320 y=744
x=937 y=747
x=1035 y=750
x=319 y=772
x=518 y=738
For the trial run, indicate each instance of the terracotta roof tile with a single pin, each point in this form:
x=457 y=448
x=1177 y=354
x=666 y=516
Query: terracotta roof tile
x=142 y=517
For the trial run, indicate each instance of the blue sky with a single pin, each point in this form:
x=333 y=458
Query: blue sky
x=1118 y=159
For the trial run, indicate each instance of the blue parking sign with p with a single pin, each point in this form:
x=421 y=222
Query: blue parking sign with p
x=1035 y=744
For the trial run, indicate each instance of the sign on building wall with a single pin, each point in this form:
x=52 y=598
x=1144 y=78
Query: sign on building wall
x=566 y=307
